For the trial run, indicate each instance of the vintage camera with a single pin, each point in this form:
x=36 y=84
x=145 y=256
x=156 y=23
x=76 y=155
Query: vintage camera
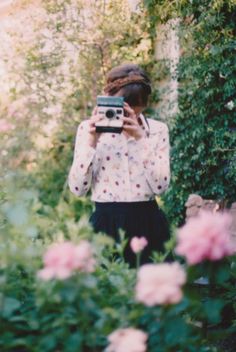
x=111 y=109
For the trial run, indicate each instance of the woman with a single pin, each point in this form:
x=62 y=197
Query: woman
x=125 y=171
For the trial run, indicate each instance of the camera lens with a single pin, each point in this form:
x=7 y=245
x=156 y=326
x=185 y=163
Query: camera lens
x=110 y=114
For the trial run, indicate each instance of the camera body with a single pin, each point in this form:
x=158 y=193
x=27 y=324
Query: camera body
x=111 y=109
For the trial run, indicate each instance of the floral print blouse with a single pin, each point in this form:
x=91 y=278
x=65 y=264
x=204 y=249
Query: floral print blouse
x=120 y=168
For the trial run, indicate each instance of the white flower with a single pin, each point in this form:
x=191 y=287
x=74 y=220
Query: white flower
x=230 y=105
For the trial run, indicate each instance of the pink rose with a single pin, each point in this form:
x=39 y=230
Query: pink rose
x=137 y=244
x=127 y=340
x=205 y=237
x=61 y=259
x=160 y=284
x=84 y=254
x=5 y=126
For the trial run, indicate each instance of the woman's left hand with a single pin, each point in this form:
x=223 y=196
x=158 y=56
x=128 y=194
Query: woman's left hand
x=131 y=125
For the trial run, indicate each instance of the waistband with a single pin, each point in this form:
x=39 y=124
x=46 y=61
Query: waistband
x=110 y=206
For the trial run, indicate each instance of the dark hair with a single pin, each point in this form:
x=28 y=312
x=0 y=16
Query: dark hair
x=132 y=81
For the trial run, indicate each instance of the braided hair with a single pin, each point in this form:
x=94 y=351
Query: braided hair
x=131 y=82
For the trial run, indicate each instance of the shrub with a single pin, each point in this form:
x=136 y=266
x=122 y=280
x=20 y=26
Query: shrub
x=85 y=308
x=203 y=133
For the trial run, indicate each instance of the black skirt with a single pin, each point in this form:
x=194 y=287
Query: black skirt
x=140 y=219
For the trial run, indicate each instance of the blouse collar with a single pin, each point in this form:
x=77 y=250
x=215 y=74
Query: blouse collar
x=145 y=124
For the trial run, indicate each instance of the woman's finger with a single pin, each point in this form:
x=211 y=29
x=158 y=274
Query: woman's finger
x=92 y=130
x=127 y=105
x=95 y=118
x=129 y=110
x=129 y=120
x=130 y=127
x=95 y=110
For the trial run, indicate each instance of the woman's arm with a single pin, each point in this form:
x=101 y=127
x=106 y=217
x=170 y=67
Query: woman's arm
x=80 y=175
x=155 y=151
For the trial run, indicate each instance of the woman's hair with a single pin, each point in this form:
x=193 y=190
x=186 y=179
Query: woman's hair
x=132 y=82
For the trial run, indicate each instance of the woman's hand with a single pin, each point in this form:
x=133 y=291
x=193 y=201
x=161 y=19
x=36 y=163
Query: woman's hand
x=93 y=135
x=131 y=125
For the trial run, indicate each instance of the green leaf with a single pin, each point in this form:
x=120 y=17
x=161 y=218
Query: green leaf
x=74 y=342
x=10 y=305
x=17 y=214
x=175 y=331
x=213 y=308
x=223 y=273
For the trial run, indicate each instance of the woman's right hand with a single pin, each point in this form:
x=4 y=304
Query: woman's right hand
x=93 y=135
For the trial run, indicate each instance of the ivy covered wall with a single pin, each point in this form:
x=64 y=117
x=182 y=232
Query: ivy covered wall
x=203 y=132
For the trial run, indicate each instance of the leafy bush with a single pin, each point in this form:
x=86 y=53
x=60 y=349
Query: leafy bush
x=80 y=312
x=203 y=134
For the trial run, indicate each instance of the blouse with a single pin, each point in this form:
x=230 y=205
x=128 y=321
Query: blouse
x=120 y=168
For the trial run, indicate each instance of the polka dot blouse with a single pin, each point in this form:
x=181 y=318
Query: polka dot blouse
x=121 y=169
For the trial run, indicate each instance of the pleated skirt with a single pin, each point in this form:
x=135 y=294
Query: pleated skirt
x=136 y=219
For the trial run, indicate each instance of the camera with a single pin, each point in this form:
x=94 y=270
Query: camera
x=111 y=109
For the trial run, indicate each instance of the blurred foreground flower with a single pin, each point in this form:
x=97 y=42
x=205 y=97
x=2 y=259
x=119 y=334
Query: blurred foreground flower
x=127 y=340
x=5 y=126
x=61 y=259
x=206 y=236
x=160 y=283
x=137 y=244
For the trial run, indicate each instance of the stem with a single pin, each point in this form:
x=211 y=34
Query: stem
x=138 y=257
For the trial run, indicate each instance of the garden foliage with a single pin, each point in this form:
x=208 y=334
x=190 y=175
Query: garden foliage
x=53 y=92
x=203 y=133
x=79 y=309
